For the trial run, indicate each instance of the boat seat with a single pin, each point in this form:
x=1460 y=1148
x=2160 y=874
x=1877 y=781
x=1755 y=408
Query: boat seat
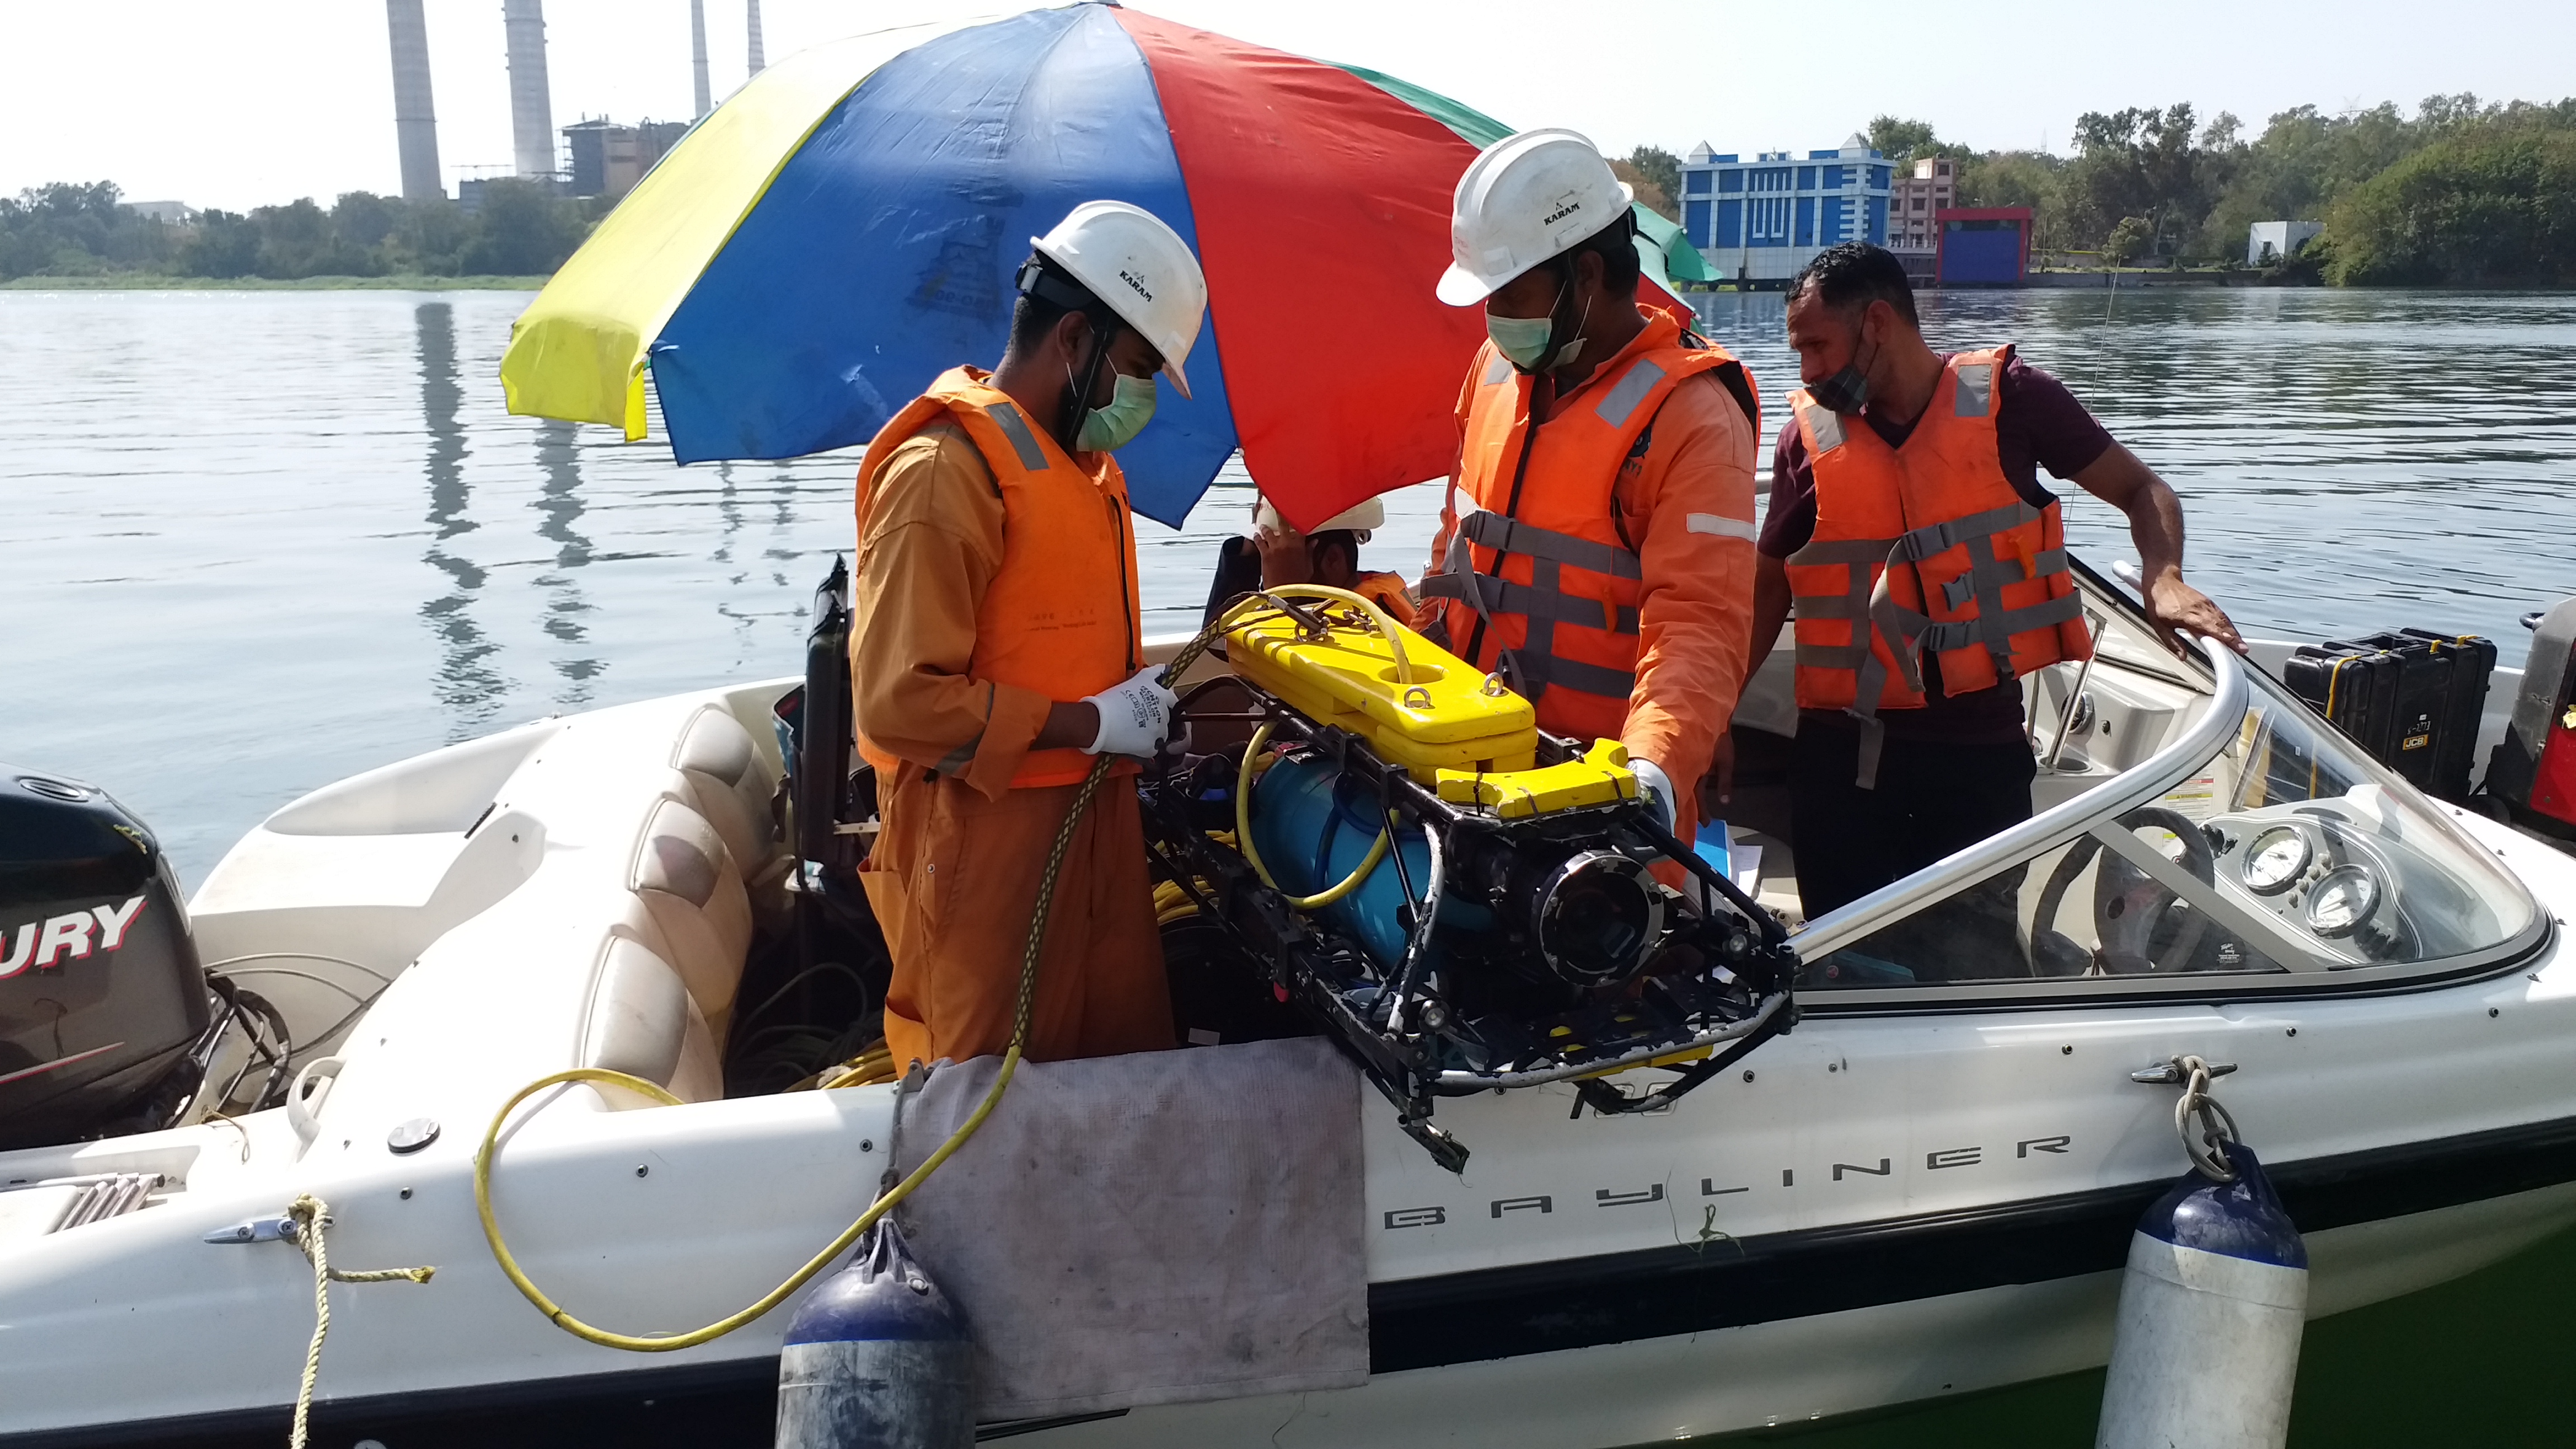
x=733 y=787
x=687 y=880
x=643 y=1022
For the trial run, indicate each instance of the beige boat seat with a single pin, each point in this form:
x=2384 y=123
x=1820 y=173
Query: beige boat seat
x=643 y=1022
x=733 y=785
x=686 y=878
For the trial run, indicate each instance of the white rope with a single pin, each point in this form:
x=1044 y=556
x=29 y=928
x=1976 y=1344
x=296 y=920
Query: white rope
x=310 y=1214
x=2208 y=1147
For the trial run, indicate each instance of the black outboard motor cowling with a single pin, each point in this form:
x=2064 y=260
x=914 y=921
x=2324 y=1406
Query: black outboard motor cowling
x=101 y=991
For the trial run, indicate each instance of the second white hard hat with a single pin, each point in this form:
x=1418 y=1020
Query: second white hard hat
x=1368 y=514
x=1527 y=198
x=1141 y=268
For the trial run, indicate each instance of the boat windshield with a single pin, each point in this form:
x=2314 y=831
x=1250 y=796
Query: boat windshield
x=2288 y=851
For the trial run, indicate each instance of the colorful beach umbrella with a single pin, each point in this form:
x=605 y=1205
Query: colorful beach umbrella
x=846 y=227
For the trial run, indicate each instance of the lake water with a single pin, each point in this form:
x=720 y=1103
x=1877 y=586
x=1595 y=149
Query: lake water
x=256 y=542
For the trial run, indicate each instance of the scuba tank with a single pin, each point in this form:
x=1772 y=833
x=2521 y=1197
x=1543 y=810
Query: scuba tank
x=878 y=1359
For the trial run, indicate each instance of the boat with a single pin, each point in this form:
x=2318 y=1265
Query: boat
x=1923 y=1188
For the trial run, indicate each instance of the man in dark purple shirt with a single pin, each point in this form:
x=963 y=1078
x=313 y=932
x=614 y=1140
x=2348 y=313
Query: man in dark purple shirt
x=1958 y=769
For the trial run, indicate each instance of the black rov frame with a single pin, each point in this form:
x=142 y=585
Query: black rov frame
x=1716 y=983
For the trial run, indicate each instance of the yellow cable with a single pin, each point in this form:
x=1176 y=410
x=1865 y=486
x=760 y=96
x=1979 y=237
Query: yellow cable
x=665 y=1343
x=1252 y=855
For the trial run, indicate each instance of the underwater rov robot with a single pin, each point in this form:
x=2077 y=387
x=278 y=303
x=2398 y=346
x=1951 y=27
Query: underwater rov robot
x=1464 y=901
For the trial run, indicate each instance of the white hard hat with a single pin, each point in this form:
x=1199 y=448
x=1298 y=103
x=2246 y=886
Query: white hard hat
x=1368 y=514
x=1138 y=266
x=1527 y=198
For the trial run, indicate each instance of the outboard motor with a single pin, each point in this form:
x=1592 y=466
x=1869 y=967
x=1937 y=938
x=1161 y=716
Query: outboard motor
x=101 y=991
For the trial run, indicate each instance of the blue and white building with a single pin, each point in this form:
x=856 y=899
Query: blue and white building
x=1758 y=220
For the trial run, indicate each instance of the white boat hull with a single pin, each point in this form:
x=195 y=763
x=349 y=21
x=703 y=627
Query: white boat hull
x=1877 y=1209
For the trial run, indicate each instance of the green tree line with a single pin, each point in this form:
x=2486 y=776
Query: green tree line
x=74 y=229
x=2461 y=193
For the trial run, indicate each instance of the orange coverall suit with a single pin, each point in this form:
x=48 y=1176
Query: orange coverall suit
x=969 y=812
x=1682 y=504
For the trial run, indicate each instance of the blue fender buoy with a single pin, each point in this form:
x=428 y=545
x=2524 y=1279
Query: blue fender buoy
x=2206 y=1348
x=878 y=1359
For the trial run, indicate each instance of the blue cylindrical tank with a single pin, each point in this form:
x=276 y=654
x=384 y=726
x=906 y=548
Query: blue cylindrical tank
x=1312 y=831
x=2206 y=1347
x=878 y=1359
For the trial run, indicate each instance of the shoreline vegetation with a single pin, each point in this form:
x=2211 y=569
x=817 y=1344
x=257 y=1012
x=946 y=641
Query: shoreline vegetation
x=2462 y=193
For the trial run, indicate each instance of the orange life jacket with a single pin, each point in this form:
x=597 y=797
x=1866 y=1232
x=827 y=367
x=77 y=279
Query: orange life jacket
x=1925 y=547
x=1388 y=593
x=1539 y=585
x=1049 y=621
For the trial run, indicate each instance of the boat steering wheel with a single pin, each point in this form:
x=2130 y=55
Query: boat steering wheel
x=2130 y=907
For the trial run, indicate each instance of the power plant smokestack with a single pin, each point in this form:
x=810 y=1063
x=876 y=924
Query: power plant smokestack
x=698 y=51
x=415 y=120
x=532 y=122
x=751 y=10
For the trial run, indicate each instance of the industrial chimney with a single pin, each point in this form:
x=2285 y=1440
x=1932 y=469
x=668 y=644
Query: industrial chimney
x=698 y=51
x=751 y=9
x=415 y=120
x=532 y=124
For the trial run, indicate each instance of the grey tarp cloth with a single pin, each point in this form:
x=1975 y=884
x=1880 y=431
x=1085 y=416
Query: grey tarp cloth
x=1150 y=1229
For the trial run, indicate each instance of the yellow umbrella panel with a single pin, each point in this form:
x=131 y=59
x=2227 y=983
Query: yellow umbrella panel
x=578 y=352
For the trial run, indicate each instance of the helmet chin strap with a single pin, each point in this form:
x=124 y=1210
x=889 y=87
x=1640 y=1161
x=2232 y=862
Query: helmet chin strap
x=1077 y=407
x=1557 y=352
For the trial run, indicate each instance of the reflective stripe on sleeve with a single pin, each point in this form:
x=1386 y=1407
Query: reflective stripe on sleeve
x=1721 y=526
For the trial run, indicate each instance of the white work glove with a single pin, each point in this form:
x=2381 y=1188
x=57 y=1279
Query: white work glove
x=1656 y=787
x=1135 y=714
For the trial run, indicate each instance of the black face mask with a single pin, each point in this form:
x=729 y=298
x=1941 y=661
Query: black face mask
x=1845 y=392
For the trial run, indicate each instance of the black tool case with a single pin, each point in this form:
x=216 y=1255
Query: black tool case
x=2411 y=698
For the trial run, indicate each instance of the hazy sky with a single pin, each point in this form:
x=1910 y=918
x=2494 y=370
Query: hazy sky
x=234 y=103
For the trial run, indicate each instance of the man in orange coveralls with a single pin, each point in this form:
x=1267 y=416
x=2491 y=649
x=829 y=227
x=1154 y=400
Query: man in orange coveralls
x=997 y=649
x=1603 y=561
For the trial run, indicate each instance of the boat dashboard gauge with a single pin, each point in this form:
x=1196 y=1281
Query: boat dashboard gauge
x=2343 y=901
x=2275 y=860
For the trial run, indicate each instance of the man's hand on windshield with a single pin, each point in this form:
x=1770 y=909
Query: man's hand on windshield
x=2176 y=608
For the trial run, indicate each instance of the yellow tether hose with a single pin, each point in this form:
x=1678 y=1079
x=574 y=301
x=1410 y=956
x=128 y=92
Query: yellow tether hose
x=1252 y=853
x=665 y=1343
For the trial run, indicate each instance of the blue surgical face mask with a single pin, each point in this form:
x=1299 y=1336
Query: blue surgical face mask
x=1107 y=429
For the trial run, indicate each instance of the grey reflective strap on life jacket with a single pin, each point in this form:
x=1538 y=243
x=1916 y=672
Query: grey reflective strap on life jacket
x=1023 y=442
x=1541 y=602
x=1824 y=427
x=1861 y=556
x=1508 y=535
x=1976 y=389
x=1620 y=402
x=1497 y=370
x=1988 y=573
x=1957 y=592
x=1502 y=596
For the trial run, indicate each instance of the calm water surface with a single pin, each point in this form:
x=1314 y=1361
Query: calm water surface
x=255 y=542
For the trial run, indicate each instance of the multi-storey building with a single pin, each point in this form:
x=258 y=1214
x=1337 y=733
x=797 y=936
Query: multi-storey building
x=1757 y=221
x=1915 y=205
